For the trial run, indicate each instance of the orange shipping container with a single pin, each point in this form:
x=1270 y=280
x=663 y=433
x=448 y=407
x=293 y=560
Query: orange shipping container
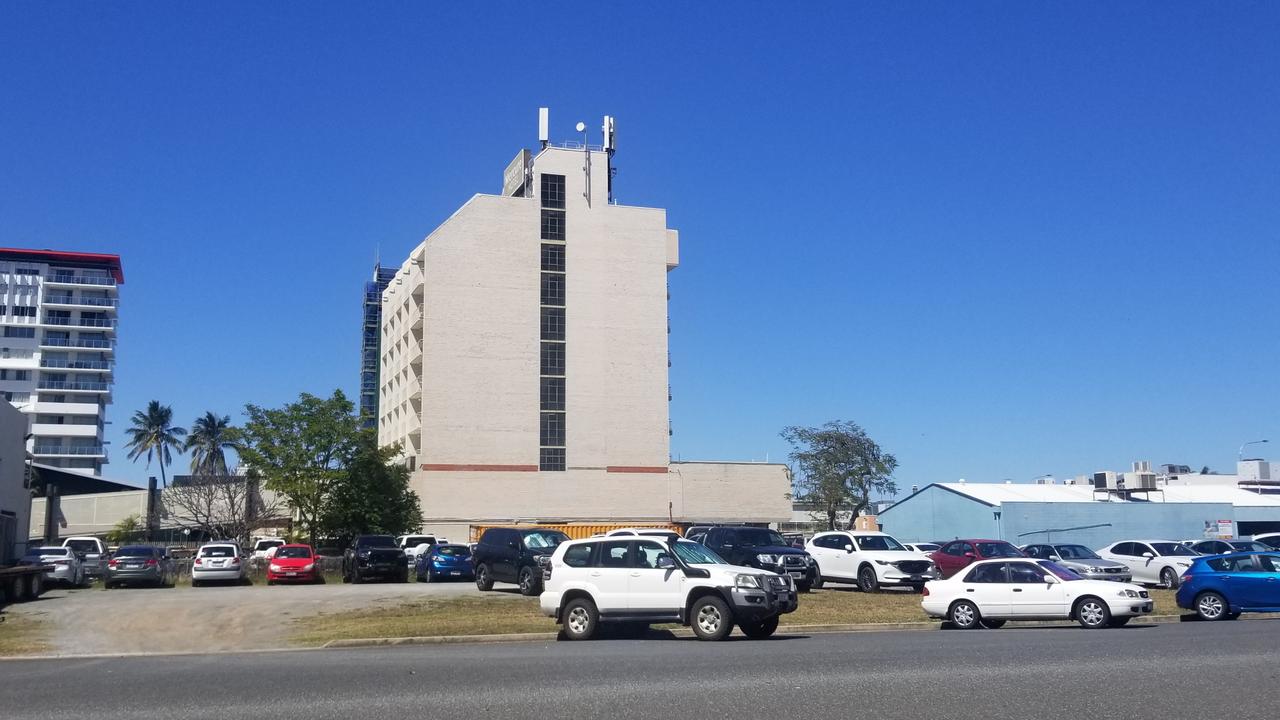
x=577 y=531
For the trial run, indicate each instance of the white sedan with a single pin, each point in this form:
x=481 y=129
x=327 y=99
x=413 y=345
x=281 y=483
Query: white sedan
x=991 y=592
x=1152 y=562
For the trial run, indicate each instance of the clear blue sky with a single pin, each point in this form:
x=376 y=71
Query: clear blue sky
x=1007 y=238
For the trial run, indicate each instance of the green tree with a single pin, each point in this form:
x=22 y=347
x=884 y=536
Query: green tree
x=838 y=467
x=153 y=433
x=302 y=450
x=125 y=530
x=373 y=495
x=211 y=436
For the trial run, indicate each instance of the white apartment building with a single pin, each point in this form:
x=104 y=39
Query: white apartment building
x=524 y=361
x=58 y=348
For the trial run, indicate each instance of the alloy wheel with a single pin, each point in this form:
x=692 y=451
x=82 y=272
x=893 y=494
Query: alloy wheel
x=964 y=615
x=709 y=619
x=1091 y=613
x=1211 y=607
x=578 y=620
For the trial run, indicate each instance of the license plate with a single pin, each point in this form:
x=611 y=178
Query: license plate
x=796 y=575
x=291 y=574
x=128 y=566
x=455 y=572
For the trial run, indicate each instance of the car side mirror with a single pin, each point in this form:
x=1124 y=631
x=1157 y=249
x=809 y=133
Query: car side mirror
x=971 y=556
x=848 y=549
x=1055 y=558
x=666 y=562
x=1147 y=555
x=513 y=545
x=1051 y=579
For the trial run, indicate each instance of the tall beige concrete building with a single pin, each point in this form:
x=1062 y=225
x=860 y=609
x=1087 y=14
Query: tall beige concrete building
x=524 y=361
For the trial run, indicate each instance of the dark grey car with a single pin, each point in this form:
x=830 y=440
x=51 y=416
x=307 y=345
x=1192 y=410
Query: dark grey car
x=140 y=565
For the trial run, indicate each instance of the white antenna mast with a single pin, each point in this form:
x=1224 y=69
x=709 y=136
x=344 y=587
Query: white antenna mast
x=582 y=128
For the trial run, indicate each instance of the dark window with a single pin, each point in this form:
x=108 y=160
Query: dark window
x=553 y=323
x=553 y=257
x=615 y=554
x=552 y=289
x=647 y=554
x=1035 y=551
x=1269 y=563
x=989 y=573
x=551 y=429
x=20 y=332
x=553 y=225
x=25 y=271
x=1025 y=573
x=1240 y=563
x=551 y=459
x=965 y=548
x=953 y=549
x=997 y=550
x=553 y=191
x=1124 y=548
x=552 y=394
x=25 y=310
x=579 y=555
x=552 y=358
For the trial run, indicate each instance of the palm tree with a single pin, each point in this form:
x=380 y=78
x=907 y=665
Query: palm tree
x=153 y=434
x=210 y=437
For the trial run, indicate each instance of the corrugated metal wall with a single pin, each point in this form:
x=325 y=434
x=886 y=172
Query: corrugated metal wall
x=936 y=513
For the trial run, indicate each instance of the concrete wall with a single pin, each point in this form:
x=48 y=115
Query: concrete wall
x=689 y=492
x=92 y=514
x=15 y=499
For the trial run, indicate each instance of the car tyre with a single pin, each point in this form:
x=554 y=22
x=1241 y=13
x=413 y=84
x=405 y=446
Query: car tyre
x=760 y=630
x=529 y=583
x=425 y=576
x=581 y=619
x=993 y=624
x=1169 y=578
x=1118 y=622
x=711 y=618
x=404 y=576
x=964 y=615
x=1092 y=613
x=1212 y=606
x=816 y=583
x=867 y=581
x=484 y=582
x=196 y=583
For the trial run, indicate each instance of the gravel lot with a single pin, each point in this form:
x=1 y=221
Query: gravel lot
x=208 y=619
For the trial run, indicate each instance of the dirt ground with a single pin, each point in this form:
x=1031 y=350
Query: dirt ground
x=205 y=619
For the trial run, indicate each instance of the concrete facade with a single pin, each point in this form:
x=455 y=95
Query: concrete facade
x=468 y=354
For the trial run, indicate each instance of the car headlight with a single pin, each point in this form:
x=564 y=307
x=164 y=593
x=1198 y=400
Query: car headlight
x=883 y=562
x=275 y=567
x=1184 y=564
x=1094 y=570
x=767 y=559
x=308 y=567
x=751 y=582
x=1129 y=593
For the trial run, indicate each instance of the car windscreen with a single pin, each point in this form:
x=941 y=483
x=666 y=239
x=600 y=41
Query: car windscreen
x=1167 y=548
x=49 y=552
x=997 y=550
x=1248 y=546
x=453 y=550
x=136 y=551
x=83 y=546
x=878 y=542
x=1076 y=552
x=759 y=537
x=543 y=539
x=416 y=540
x=293 y=552
x=1061 y=572
x=218 y=551
x=694 y=554
x=375 y=541
x=267 y=544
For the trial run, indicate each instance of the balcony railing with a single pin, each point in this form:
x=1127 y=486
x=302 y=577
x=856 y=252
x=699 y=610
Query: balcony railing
x=68 y=450
x=62 y=385
x=81 y=343
x=80 y=322
x=90 y=301
x=81 y=280
x=76 y=364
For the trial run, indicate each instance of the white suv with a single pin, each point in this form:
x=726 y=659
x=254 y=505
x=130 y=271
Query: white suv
x=644 y=580
x=870 y=559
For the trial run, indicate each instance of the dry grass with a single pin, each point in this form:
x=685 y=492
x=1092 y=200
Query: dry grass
x=21 y=635
x=446 y=616
x=496 y=614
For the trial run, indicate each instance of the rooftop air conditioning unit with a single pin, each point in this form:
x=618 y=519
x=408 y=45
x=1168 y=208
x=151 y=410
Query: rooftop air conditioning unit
x=1105 y=480
x=1146 y=481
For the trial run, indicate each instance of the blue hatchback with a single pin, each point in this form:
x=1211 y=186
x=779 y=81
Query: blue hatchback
x=445 y=562
x=1223 y=586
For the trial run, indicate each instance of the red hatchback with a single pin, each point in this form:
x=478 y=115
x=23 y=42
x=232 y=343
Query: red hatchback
x=956 y=555
x=294 y=563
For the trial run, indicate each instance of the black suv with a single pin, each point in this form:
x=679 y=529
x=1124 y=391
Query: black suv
x=762 y=548
x=374 y=556
x=514 y=555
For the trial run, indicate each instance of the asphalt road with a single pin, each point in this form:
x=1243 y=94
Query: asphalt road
x=1177 y=670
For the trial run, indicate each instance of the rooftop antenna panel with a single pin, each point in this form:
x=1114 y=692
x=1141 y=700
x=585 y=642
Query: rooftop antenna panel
x=544 y=125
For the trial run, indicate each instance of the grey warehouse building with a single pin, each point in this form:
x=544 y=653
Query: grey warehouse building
x=1023 y=514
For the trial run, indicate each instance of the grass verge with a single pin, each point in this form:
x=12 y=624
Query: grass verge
x=21 y=635
x=515 y=614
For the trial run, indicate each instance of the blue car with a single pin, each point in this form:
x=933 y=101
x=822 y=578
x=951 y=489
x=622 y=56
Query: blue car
x=1221 y=587
x=445 y=562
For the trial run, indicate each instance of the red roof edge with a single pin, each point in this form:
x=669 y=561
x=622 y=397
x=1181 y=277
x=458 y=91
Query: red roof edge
x=111 y=261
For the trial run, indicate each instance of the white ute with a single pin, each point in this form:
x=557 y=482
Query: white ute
x=642 y=580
